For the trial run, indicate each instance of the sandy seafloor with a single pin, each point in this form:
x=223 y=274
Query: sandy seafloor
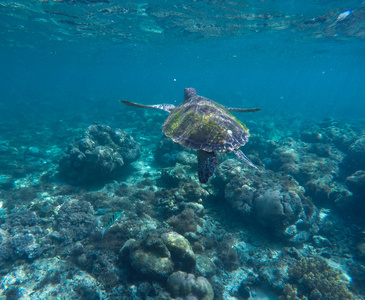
x=290 y=230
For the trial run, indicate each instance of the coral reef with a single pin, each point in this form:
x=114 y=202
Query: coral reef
x=317 y=174
x=20 y=238
x=149 y=257
x=99 y=156
x=355 y=156
x=76 y=221
x=275 y=201
x=47 y=278
x=181 y=284
x=181 y=252
x=227 y=254
x=247 y=233
x=356 y=183
x=186 y=221
x=315 y=279
x=156 y=257
x=204 y=266
x=173 y=177
x=168 y=153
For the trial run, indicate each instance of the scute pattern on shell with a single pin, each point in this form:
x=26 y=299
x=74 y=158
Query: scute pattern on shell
x=202 y=124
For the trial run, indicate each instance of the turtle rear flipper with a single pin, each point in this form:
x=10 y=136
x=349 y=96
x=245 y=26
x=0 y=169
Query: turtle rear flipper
x=166 y=107
x=207 y=162
x=243 y=157
x=242 y=109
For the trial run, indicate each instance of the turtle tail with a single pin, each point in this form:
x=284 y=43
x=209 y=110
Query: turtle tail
x=207 y=162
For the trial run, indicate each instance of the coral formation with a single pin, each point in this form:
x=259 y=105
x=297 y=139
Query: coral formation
x=204 y=266
x=148 y=257
x=356 y=182
x=49 y=277
x=19 y=239
x=246 y=233
x=168 y=153
x=156 y=257
x=181 y=252
x=76 y=221
x=99 y=156
x=181 y=284
x=315 y=279
x=355 y=156
x=227 y=254
x=186 y=221
x=277 y=209
x=276 y=202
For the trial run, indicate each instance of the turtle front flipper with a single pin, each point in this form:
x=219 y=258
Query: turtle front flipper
x=243 y=157
x=242 y=109
x=165 y=107
x=207 y=162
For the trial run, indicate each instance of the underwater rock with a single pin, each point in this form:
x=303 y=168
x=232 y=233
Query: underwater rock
x=305 y=162
x=167 y=152
x=47 y=278
x=243 y=291
x=172 y=177
x=33 y=151
x=356 y=183
x=186 y=221
x=148 y=257
x=6 y=182
x=330 y=132
x=274 y=201
x=99 y=156
x=6 y=252
x=314 y=166
x=312 y=277
x=23 y=219
x=75 y=221
x=181 y=284
x=25 y=246
x=156 y=257
x=227 y=255
x=360 y=247
x=321 y=150
x=189 y=193
x=355 y=156
x=277 y=209
x=101 y=265
x=181 y=252
x=187 y=158
x=204 y=266
x=326 y=190
x=225 y=172
x=310 y=136
x=22 y=238
x=241 y=197
x=320 y=241
x=286 y=155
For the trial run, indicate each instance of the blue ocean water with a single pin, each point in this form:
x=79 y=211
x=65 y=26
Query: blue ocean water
x=64 y=67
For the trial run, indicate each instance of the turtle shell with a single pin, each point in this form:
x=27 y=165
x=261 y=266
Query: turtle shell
x=202 y=124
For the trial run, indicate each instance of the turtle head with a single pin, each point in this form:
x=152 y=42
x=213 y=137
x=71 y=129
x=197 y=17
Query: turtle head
x=189 y=92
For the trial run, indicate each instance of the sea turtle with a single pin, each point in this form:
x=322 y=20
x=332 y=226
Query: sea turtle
x=202 y=124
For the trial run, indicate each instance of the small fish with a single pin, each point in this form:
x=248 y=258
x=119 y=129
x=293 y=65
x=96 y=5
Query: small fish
x=343 y=15
x=114 y=217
